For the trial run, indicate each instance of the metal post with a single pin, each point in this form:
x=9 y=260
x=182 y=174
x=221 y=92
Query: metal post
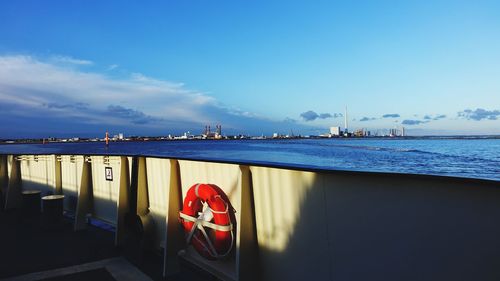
x=84 y=204
x=14 y=190
x=123 y=203
x=58 y=174
x=142 y=188
x=247 y=261
x=4 y=180
x=174 y=236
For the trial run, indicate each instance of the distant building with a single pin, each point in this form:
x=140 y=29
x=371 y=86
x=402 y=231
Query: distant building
x=346 y=132
x=335 y=131
x=397 y=132
x=208 y=134
x=359 y=133
x=218 y=132
x=393 y=132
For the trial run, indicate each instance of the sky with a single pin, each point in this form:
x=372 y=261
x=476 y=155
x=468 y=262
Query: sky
x=79 y=68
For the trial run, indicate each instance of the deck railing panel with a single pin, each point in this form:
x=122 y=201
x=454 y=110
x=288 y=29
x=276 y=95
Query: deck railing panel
x=38 y=173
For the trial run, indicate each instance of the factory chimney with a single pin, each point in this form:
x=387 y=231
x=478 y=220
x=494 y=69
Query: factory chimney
x=345 y=119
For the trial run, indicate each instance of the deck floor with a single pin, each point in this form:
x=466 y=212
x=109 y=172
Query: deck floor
x=27 y=246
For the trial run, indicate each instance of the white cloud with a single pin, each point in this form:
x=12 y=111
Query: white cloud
x=27 y=81
x=29 y=85
x=70 y=60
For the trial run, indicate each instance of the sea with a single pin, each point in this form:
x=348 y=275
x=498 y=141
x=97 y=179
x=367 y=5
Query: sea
x=469 y=157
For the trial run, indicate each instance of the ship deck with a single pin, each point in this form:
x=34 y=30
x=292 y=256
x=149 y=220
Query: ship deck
x=31 y=251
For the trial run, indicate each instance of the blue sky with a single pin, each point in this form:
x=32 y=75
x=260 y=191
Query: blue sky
x=159 y=67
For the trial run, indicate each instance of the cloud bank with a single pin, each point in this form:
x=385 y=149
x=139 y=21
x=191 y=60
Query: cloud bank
x=364 y=119
x=55 y=96
x=311 y=115
x=435 y=118
x=393 y=115
x=135 y=116
x=413 y=122
x=479 y=114
x=426 y=119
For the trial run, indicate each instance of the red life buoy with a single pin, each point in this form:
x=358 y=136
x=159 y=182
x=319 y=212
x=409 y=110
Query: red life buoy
x=208 y=218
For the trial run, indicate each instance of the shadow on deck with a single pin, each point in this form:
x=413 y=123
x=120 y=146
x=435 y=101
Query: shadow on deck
x=27 y=246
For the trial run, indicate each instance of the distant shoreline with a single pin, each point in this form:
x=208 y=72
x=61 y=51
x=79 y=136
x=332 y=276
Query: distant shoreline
x=162 y=139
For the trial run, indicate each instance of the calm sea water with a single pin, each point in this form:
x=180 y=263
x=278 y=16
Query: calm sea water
x=473 y=158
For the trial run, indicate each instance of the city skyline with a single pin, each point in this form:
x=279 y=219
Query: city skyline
x=74 y=68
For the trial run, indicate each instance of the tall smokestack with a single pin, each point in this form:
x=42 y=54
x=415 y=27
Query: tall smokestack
x=345 y=119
